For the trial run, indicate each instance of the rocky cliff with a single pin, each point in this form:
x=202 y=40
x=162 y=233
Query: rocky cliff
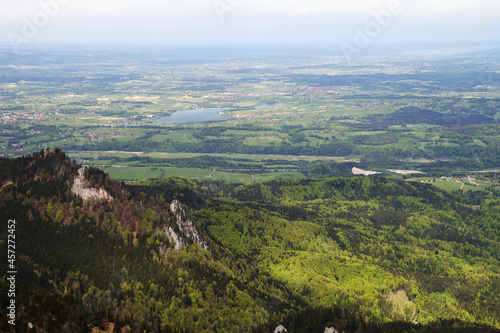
x=81 y=187
x=185 y=225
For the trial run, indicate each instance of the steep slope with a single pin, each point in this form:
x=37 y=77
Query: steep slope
x=385 y=248
x=176 y=255
x=108 y=260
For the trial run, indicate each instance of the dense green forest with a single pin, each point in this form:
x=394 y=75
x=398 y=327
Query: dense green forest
x=358 y=254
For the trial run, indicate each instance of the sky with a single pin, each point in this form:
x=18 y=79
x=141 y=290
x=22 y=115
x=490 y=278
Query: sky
x=353 y=24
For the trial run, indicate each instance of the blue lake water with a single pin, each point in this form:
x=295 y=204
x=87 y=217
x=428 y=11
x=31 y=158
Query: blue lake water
x=197 y=115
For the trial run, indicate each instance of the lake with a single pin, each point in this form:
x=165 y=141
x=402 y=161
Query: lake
x=196 y=115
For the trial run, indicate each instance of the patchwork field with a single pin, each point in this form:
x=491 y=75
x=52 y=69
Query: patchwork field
x=319 y=119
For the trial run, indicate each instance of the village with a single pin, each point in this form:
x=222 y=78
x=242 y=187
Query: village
x=472 y=179
x=23 y=117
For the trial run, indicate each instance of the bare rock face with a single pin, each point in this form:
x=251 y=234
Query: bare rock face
x=178 y=242
x=280 y=329
x=81 y=188
x=330 y=330
x=185 y=225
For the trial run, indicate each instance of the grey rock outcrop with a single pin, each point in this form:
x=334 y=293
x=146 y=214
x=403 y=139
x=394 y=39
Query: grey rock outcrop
x=185 y=225
x=280 y=329
x=330 y=330
x=178 y=242
x=82 y=188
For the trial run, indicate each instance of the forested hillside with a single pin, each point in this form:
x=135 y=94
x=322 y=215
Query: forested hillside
x=178 y=255
x=386 y=248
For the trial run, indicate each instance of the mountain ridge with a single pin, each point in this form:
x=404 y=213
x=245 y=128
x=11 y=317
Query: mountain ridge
x=299 y=253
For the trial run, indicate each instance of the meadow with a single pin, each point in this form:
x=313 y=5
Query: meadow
x=313 y=118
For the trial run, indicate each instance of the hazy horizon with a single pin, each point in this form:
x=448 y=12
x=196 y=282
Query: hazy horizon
x=360 y=24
